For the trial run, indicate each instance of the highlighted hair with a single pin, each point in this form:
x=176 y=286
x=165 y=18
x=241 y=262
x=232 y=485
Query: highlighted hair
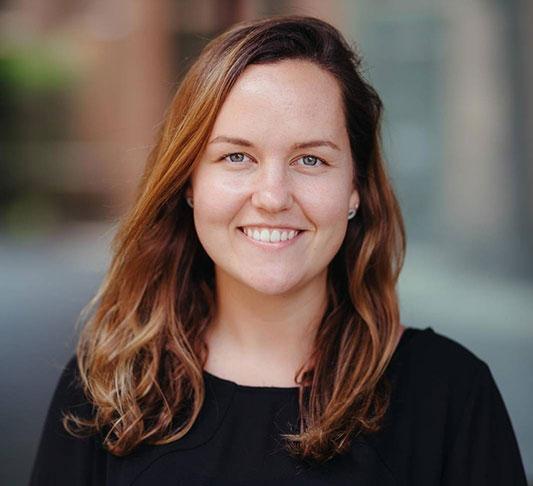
x=141 y=351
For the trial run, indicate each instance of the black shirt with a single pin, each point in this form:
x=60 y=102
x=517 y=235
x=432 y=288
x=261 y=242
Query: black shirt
x=446 y=425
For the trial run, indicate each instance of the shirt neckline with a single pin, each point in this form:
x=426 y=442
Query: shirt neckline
x=289 y=389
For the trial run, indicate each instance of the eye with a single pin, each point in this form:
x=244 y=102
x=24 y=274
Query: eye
x=311 y=161
x=239 y=158
x=234 y=157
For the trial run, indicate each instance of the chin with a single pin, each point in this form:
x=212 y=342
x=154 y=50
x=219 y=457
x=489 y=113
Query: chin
x=264 y=282
x=274 y=286
x=272 y=290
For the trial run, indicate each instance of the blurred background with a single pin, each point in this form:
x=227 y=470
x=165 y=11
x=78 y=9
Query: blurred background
x=83 y=88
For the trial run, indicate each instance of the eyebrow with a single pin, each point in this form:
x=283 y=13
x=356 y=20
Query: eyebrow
x=300 y=145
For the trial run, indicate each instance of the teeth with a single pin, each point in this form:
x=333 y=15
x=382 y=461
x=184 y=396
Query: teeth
x=270 y=236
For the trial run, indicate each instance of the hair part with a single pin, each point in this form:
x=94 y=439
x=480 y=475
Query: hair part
x=141 y=352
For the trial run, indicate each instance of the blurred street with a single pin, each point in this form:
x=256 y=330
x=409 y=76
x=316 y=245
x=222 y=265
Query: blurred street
x=43 y=286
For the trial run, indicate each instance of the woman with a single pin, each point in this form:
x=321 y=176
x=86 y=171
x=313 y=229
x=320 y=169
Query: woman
x=248 y=329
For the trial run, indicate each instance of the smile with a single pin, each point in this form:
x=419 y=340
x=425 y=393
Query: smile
x=274 y=239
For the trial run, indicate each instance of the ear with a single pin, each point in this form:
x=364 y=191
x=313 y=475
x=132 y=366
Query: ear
x=354 y=199
x=188 y=190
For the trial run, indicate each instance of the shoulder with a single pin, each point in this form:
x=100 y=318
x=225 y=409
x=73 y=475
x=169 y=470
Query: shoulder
x=69 y=394
x=440 y=379
x=436 y=372
x=70 y=376
x=430 y=354
x=63 y=458
x=447 y=419
x=70 y=373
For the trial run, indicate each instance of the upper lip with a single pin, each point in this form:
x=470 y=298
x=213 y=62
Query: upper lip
x=263 y=225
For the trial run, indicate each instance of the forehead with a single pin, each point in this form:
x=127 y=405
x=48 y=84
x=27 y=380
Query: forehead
x=297 y=95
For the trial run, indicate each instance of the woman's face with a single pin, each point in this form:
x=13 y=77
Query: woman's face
x=278 y=159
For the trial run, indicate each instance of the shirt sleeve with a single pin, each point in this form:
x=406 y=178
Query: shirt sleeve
x=485 y=450
x=61 y=458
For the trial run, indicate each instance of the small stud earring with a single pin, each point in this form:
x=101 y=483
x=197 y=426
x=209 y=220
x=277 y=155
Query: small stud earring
x=351 y=213
x=189 y=201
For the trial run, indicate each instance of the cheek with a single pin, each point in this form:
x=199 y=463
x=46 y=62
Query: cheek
x=215 y=200
x=211 y=218
x=331 y=222
x=328 y=212
x=327 y=206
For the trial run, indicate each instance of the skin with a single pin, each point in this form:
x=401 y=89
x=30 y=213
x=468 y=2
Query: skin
x=270 y=302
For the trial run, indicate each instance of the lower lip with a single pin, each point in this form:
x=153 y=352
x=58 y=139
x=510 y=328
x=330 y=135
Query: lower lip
x=271 y=246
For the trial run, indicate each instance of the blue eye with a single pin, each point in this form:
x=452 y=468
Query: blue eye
x=308 y=160
x=313 y=161
x=234 y=157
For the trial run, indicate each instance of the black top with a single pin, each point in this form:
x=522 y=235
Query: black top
x=446 y=425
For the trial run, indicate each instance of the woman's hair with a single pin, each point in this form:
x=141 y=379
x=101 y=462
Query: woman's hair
x=141 y=352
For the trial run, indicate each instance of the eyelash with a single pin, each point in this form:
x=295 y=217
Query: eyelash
x=322 y=161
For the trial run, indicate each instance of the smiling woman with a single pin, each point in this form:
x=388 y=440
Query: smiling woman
x=248 y=330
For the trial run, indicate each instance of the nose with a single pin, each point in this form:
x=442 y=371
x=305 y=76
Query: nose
x=272 y=188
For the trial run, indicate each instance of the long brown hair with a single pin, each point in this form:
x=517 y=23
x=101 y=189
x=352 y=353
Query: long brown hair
x=141 y=352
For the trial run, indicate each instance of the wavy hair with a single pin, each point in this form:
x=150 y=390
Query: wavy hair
x=141 y=351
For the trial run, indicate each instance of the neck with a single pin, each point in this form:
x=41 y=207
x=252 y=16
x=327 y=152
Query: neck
x=257 y=337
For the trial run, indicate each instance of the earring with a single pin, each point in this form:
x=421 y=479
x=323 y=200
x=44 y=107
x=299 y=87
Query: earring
x=351 y=212
x=189 y=201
